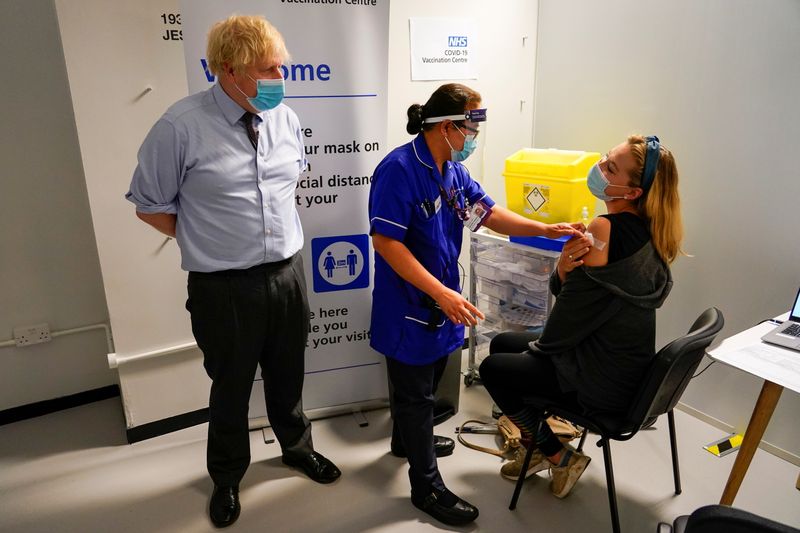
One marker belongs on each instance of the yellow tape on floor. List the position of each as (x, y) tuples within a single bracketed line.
[(725, 446)]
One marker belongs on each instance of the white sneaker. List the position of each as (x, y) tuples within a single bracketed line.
[(565, 477), (511, 470)]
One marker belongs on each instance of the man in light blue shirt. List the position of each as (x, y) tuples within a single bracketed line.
[(218, 173)]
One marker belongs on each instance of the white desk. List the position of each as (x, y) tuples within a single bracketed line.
[(779, 368)]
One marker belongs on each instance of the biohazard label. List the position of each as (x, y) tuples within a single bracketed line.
[(536, 196)]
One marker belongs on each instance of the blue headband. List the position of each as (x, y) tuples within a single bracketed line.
[(650, 162)]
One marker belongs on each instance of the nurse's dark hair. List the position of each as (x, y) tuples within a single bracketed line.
[(449, 99)]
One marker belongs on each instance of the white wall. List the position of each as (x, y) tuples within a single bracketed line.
[(718, 81), (123, 74), (114, 53), (49, 270)]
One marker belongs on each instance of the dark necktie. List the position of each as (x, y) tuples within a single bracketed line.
[(249, 126)]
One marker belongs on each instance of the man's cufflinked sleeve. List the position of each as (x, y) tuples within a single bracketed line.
[(156, 180)]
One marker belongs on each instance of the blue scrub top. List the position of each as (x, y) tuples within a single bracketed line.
[(409, 202)]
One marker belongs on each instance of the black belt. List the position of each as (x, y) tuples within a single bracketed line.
[(249, 271)]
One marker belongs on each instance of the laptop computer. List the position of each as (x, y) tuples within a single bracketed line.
[(788, 333)]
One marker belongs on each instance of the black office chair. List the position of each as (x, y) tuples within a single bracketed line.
[(724, 519), (665, 381)]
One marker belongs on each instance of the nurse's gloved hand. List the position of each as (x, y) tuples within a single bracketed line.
[(457, 308)]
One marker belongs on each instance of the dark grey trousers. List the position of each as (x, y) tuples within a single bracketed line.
[(240, 319)]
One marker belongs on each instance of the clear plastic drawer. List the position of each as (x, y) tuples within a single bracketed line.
[(488, 304), (488, 267), (498, 290), (532, 299), (530, 281), (523, 317)]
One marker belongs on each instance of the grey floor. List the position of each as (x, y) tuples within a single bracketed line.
[(73, 471)]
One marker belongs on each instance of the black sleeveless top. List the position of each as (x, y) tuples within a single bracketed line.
[(629, 233)]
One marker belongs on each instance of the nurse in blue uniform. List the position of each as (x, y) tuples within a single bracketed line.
[(420, 200)]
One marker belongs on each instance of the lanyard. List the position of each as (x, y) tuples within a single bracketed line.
[(461, 209), (451, 200)]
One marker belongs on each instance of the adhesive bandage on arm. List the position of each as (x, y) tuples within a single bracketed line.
[(596, 243)]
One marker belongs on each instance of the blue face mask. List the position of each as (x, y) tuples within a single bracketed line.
[(598, 183), (269, 93), (469, 146)]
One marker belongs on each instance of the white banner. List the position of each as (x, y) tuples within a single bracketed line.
[(336, 82), (443, 49)]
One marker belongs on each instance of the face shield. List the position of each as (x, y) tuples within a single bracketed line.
[(473, 116), (470, 115)]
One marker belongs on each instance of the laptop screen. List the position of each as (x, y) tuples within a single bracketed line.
[(794, 316)]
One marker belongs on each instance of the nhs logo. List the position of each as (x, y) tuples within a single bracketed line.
[(459, 41)]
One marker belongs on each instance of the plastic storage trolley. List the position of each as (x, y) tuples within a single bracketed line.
[(509, 283)]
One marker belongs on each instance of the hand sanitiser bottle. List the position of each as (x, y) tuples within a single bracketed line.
[(585, 222)]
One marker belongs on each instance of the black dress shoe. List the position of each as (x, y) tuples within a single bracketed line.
[(224, 507), (316, 466), (437, 505), (442, 446)]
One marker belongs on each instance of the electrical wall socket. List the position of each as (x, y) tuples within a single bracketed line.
[(27, 335)]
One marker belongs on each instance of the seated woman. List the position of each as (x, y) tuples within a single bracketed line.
[(600, 336)]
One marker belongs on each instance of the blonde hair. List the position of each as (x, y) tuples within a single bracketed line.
[(239, 41), (661, 205)]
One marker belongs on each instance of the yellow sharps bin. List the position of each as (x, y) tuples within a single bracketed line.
[(549, 185)]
